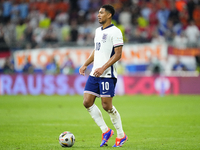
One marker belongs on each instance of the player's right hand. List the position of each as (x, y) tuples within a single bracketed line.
[(82, 70)]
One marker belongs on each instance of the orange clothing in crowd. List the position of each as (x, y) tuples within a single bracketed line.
[(158, 4), (180, 4), (63, 6), (196, 16), (42, 6), (184, 16), (51, 10)]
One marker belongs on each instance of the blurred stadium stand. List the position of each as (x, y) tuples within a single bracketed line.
[(35, 24)]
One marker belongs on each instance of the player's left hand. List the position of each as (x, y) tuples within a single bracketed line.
[(98, 72)]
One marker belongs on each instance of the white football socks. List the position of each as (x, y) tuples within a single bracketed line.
[(98, 118), (116, 120), (114, 116)]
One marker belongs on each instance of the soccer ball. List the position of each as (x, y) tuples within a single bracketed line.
[(66, 139)]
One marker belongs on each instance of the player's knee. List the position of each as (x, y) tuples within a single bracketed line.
[(87, 103), (88, 100), (105, 106)]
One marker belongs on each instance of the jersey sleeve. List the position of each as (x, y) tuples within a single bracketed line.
[(117, 38)]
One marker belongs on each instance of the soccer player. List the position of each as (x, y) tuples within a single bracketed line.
[(103, 77)]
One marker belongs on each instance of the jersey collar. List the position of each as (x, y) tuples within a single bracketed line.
[(107, 27)]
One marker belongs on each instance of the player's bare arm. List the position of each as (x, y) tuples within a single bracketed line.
[(87, 62), (118, 53)]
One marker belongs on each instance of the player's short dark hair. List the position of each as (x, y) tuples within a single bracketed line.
[(109, 8)]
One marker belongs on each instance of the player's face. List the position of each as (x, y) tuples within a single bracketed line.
[(103, 16)]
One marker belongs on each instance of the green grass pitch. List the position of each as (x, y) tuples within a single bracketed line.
[(150, 122)]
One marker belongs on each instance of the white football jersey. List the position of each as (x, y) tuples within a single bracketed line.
[(105, 41)]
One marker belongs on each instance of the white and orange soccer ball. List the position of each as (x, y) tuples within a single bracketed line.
[(66, 139)]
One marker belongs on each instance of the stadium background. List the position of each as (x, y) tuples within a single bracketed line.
[(43, 44)]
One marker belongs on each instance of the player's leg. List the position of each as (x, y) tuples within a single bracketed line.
[(116, 121), (107, 134), (107, 92), (97, 116), (88, 100), (90, 93), (94, 111), (114, 115)]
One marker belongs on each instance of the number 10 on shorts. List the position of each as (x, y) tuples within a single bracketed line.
[(105, 86)]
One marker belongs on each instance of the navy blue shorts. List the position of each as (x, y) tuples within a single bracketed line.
[(100, 87)]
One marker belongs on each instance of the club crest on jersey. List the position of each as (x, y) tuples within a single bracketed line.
[(104, 38)]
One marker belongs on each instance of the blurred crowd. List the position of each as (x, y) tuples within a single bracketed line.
[(52, 67), (26, 24), (30, 24)]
